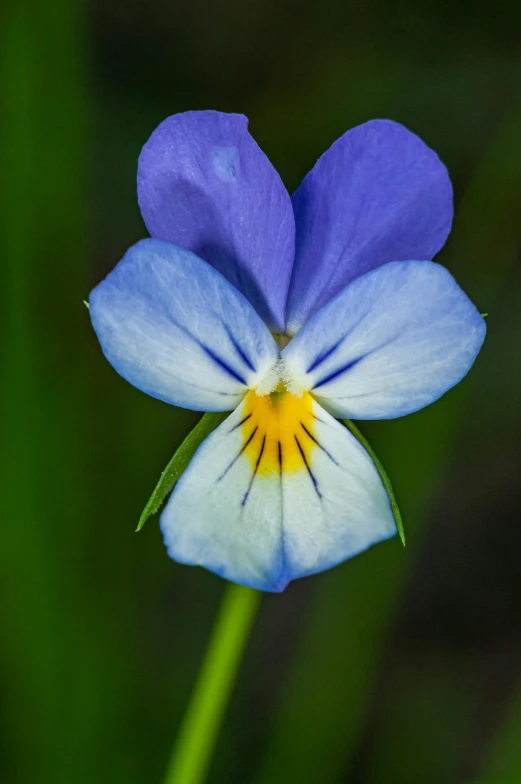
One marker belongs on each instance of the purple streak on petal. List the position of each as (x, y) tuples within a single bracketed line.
[(176, 329), (204, 184), (379, 194)]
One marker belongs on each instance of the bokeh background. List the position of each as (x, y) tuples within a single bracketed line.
[(401, 666)]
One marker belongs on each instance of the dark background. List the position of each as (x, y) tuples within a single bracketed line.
[(401, 666)]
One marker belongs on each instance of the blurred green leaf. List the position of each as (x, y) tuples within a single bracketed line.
[(383, 476), (179, 462)]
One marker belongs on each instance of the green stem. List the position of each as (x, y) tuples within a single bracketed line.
[(203, 718)]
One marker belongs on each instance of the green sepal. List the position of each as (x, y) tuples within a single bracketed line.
[(383, 476), (179, 462)]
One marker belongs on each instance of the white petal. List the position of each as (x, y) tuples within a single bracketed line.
[(339, 508), (278, 491)]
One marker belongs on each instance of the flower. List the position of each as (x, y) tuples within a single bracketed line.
[(289, 313)]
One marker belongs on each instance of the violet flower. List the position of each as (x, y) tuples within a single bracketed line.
[(289, 313)]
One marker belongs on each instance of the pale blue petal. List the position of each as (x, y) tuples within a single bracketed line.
[(176, 329), (392, 342)]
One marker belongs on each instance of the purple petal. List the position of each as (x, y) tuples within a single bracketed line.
[(379, 194), (204, 184)]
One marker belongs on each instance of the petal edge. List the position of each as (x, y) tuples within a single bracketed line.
[(205, 185), (390, 343), (379, 194), (172, 326)]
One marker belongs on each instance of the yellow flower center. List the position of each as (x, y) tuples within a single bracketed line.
[(278, 431)]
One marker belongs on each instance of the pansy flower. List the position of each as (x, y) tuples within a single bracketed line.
[(291, 313)]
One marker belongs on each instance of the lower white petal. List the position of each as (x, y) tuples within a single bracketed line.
[(336, 508), (278, 491)]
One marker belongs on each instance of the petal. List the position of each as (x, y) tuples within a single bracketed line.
[(278, 491), (204, 184), (391, 343), (379, 194), (176, 329)]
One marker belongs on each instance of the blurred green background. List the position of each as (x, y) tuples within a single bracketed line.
[(401, 666)]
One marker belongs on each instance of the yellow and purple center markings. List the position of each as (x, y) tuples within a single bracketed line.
[(278, 431)]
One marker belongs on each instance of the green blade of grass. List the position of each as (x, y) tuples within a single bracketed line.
[(46, 666)]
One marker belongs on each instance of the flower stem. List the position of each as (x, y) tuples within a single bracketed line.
[(198, 734)]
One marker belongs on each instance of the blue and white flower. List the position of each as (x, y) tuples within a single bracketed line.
[(290, 313)]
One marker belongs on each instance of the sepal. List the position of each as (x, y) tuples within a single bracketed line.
[(383, 476), (179, 462)]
